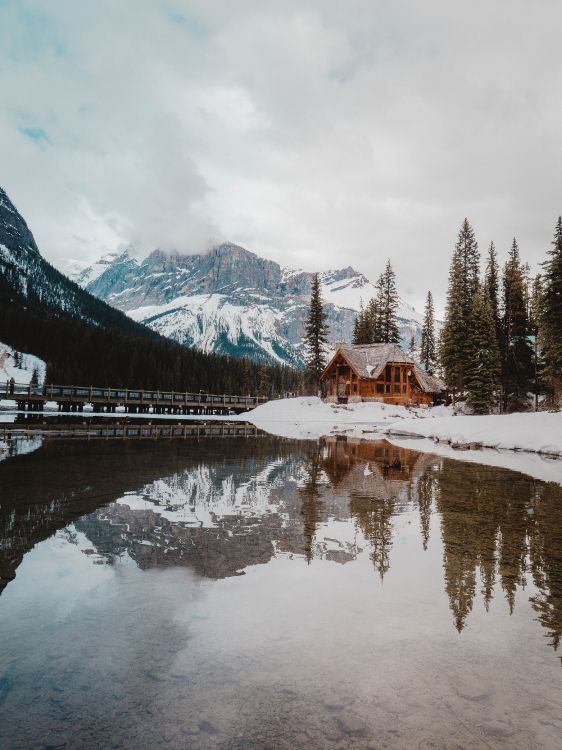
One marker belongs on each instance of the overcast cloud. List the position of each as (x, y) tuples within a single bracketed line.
[(319, 134)]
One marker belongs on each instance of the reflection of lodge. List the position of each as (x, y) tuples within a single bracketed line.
[(378, 477), (384, 460)]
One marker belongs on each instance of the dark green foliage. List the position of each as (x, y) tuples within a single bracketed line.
[(492, 288), (377, 322), (551, 323), (316, 335), (517, 360), (484, 369), (463, 283), (365, 328), (428, 349), (536, 318), (264, 385), (387, 304)]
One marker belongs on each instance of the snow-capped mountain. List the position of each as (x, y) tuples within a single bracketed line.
[(231, 301)]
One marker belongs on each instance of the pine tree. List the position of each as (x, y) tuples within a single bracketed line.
[(34, 377), (247, 379), (264, 384), (387, 304), (428, 351), (536, 316), (492, 287), (412, 345), (484, 370), (316, 335), (372, 313), (517, 364), (552, 315), (463, 283)]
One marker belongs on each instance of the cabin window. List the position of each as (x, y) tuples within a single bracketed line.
[(397, 373), (380, 387), (387, 388), (355, 388), (388, 373), (397, 388)]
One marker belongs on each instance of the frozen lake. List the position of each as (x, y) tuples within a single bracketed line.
[(258, 592)]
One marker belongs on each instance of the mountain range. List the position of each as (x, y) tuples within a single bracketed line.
[(84, 340), (231, 301)]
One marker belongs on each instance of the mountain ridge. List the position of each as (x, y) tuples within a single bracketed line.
[(230, 300)]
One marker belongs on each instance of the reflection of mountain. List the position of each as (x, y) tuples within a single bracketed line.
[(219, 506), (64, 481)]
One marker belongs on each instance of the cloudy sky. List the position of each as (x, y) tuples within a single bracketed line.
[(318, 134)]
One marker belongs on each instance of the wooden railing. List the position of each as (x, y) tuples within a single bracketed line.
[(122, 396)]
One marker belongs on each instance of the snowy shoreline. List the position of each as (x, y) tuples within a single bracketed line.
[(527, 442), (530, 443)]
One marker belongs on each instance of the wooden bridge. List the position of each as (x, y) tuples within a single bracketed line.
[(70, 398)]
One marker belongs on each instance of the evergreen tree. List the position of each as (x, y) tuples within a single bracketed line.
[(484, 370), (517, 364), (428, 350), (492, 287), (552, 315), (264, 384), (463, 283), (536, 316), (247, 379), (387, 304), (357, 327), (373, 323), (316, 335), (34, 377), (412, 345)]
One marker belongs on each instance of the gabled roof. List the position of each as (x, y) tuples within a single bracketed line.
[(369, 360), (429, 383)]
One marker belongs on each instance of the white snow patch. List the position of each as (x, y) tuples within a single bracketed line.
[(24, 371)]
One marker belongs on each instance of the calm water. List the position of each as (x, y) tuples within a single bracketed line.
[(263, 593)]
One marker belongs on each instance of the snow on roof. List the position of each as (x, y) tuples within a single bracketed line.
[(369, 360)]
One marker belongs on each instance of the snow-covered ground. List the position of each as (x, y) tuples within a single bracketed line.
[(311, 418), (22, 371), (526, 442)]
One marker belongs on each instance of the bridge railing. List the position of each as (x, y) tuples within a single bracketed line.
[(92, 394)]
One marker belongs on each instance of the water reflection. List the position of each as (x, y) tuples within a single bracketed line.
[(266, 593), (218, 507)]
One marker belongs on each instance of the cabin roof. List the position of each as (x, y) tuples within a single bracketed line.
[(369, 360)]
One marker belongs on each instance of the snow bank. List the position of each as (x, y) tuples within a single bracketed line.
[(23, 372), (539, 432), (311, 418)]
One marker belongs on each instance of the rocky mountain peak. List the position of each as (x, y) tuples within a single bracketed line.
[(230, 300), (13, 229)]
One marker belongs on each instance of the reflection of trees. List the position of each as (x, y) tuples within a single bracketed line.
[(311, 504), (374, 515), (497, 526), (426, 488), (493, 522), (545, 547)]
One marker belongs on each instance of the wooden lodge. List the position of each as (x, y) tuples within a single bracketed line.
[(378, 372)]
